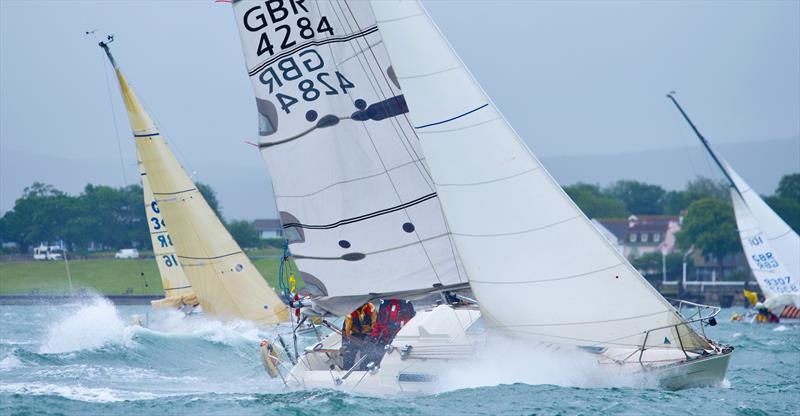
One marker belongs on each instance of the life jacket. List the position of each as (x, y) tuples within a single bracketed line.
[(393, 314), (360, 321)]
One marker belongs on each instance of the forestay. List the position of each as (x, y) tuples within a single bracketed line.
[(224, 280), (538, 267), (771, 246), (177, 289), (356, 200)]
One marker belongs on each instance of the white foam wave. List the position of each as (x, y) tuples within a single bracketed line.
[(780, 328), (509, 362), (94, 324), (76, 392), (100, 373), (230, 333), (9, 362)]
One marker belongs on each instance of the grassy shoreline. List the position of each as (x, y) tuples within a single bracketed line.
[(105, 276)]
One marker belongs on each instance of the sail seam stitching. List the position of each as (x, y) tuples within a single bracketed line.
[(174, 193), (586, 322), (780, 236), (430, 73), (208, 258), (176, 288), (490, 180), (396, 19), (460, 128), (452, 118), (549, 280), (363, 217), (517, 232)]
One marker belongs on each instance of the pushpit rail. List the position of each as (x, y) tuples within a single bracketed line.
[(701, 316)]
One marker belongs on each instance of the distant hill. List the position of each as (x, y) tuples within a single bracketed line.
[(244, 189), (761, 164)]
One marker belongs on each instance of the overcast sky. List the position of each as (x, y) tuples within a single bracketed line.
[(574, 78)]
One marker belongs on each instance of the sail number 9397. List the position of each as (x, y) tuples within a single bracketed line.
[(781, 284)]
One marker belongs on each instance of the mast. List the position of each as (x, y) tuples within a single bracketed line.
[(705, 143), (104, 45)]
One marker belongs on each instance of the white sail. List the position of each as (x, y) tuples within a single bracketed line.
[(771, 246), (177, 289), (224, 280), (538, 267), (356, 200)]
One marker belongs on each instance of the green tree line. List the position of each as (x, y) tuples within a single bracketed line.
[(105, 216), (709, 223), (115, 217)]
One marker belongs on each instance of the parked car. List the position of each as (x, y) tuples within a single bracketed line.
[(44, 252), (127, 253)]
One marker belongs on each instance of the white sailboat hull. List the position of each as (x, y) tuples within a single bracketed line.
[(702, 372), (437, 341)]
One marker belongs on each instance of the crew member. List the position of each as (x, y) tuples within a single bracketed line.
[(393, 314), (355, 333), (765, 315)]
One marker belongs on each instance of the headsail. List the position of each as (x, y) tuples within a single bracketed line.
[(771, 246), (355, 196), (517, 232), (177, 289), (223, 278)]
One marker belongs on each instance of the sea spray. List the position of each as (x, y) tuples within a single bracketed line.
[(507, 361), (91, 324)]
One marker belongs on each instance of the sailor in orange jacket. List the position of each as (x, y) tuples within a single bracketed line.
[(356, 331)]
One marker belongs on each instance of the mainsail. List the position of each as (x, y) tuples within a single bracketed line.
[(177, 289), (356, 200), (772, 248), (224, 280), (518, 234)]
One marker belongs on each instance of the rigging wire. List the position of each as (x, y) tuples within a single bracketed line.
[(113, 112), (368, 71)]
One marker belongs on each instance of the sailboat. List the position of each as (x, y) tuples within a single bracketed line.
[(224, 281), (393, 170), (772, 248), (178, 291)]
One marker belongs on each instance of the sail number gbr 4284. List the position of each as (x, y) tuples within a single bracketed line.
[(284, 25)]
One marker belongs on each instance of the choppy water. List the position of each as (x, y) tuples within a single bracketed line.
[(87, 359)]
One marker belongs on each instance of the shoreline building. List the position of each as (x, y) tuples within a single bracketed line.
[(641, 234)]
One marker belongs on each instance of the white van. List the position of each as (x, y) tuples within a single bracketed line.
[(127, 253), (44, 252)]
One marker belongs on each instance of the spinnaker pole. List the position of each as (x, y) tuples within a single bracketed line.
[(704, 142)]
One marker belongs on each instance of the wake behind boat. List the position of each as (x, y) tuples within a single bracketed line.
[(414, 184)]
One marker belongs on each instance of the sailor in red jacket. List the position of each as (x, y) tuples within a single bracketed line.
[(392, 315)]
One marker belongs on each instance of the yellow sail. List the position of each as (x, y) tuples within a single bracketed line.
[(177, 289), (224, 280)]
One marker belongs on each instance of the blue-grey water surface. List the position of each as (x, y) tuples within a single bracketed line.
[(88, 359)]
